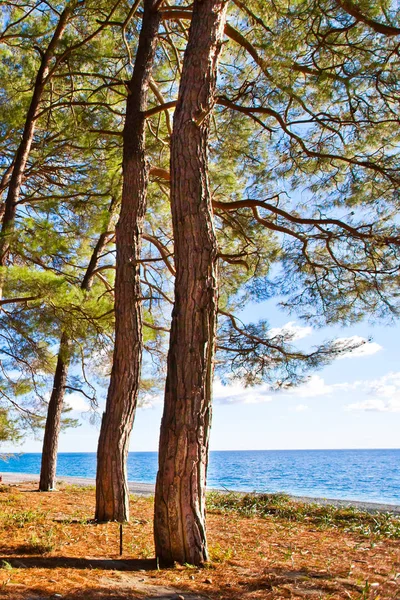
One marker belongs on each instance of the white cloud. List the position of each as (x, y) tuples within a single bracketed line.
[(375, 405), (147, 401), (314, 386), (383, 394), (301, 408), (365, 348), (379, 395), (291, 330), (77, 402), (234, 393)]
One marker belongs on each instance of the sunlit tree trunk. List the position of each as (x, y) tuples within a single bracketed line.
[(179, 524), (53, 419), (111, 480)]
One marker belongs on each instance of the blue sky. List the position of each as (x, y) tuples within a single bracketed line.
[(352, 403)]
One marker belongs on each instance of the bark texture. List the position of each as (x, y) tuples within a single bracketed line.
[(15, 178), (53, 420), (47, 481), (111, 480), (179, 521)]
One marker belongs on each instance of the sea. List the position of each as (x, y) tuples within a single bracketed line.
[(364, 475)]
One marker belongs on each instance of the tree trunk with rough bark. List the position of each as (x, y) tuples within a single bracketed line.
[(48, 468), (53, 420), (179, 520), (112, 501)]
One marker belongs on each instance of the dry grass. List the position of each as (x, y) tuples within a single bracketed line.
[(50, 548)]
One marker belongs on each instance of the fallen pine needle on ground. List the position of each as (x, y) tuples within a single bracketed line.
[(261, 547)]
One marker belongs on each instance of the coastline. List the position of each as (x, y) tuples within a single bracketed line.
[(147, 489)]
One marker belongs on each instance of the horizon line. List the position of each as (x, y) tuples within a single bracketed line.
[(5, 452)]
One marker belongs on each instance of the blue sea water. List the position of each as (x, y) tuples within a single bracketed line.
[(368, 475)]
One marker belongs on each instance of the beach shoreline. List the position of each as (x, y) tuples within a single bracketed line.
[(147, 489)]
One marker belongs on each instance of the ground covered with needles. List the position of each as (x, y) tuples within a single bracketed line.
[(261, 547)]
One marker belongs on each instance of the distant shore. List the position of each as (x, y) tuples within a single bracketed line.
[(147, 489)]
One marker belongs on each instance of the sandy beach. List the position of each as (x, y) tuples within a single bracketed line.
[(142, 489), (147, 489)]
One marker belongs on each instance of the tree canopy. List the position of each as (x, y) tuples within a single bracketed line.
[(299, 185)]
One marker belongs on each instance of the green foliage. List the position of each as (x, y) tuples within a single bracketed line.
[(320, 85), (20, 518), (9, 427), (42, 544), (304, 137), (281, 506)]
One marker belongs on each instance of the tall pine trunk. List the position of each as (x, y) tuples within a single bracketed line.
[(179, 521), (21, 157), (47, 481), (112, 501)]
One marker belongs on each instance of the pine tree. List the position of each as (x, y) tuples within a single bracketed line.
[(112, 501), (179, 513)]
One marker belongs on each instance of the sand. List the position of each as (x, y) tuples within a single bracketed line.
[(147, 489)]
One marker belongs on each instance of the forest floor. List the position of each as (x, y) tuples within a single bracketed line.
[(260, 548)]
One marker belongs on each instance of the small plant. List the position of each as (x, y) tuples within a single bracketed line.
[(282, 506), (41, 544), (6, 565), (73, 487), (147, 551), (365, 594), (78, 518), (220, 554), (21, 517), (10, 498)]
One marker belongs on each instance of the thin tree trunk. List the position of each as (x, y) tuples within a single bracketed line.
[(111, 480), (47, 480), (179, 520), (53, 420), (22, 154)]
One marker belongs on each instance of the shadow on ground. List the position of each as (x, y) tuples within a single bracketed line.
[(66, 562), (93, 594), (129, 581)]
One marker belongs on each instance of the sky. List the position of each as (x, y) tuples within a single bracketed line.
[(352, 403)]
